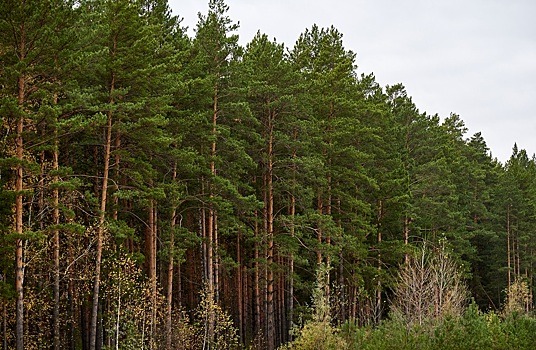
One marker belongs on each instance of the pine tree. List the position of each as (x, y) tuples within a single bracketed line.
[(32, 35), (129, 47), (215, 53), (337, 135), (483, 182), (269, 77)]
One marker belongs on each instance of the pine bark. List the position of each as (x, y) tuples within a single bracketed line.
[(19, 186), (290, 302), (56, 245), (170, 270), (269, 227), (378, 306), (4, 326), (102, 219), (320, 209), (211, 232), (257, 273), (406, 236), (508, 249), (240, 297)]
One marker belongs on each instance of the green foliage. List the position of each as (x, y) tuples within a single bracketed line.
[(518, 298), (473, 330), (317, 336), (214, 326), (318, 333), (297, 158)]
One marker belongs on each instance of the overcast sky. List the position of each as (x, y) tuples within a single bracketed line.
[(476, 58)]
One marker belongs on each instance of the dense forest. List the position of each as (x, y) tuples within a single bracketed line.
[(163, 191)]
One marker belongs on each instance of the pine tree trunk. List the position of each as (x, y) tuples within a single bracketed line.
[(269, 208), (100, 228), (216, 260), (210, 274), (169, 291), (4, 326), (377, 313), (320, 208), (117, 161), (203, 232), (56, 244), (19, 252), (508, 250), (257, 290), (282, 312), (517, 267), (240, 297), (406, 236), (41, 185), (329, 162), (150, 246), (212, 248), (292, 213)]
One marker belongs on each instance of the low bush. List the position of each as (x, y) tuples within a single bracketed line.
[(472, 330)]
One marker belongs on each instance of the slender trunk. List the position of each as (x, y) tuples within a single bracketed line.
[(377, 313), (19, 252), (150, 247), (270, 292), (269, 207), (155, 279), (320, 208), (71, 297), (353, 302), (56, 244), (4, 326), (407, 221), (100, 228), (240, 297), (517, 268), (149, 242), (169, 291), (343, 289), (281, 309), (328, 236), (41, 186), (212, 248), (210, 274), (292, 212), (247, 304), (118, 318), (117, 145), (258, 318), (216, 260), (508, 250), (203, 230), (72, 315), (329, 163)]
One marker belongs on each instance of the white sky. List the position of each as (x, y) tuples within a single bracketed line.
[(476, 58)]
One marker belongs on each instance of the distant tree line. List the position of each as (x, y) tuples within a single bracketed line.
[(164, 191)]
